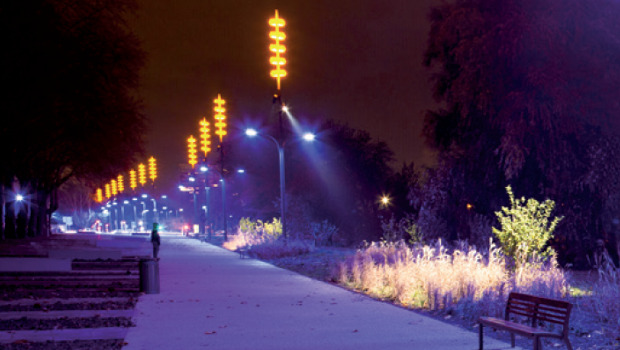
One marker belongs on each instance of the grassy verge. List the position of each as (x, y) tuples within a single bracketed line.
[(457, 285)]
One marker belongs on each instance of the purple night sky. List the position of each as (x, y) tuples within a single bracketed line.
[(357, 61)]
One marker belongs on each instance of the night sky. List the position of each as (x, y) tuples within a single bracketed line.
[(356, 61)]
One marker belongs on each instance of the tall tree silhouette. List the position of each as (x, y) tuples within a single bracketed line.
[(71, 68), (529, 91)]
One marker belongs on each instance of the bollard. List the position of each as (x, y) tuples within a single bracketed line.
[(149, 276)]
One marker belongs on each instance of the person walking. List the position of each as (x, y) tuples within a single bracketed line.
[(155, 240)]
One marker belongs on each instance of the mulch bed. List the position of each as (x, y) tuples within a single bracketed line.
[(111, 344), (59, 306), (64, 323)]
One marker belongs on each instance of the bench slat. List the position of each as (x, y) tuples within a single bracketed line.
[(517, 327)]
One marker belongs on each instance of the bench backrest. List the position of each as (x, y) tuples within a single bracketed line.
[(539, 309)]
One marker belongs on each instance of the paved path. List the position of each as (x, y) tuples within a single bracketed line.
[(210, 298)]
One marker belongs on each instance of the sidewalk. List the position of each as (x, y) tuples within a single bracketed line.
[(210, 298)]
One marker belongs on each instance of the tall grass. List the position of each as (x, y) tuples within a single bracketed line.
[(435, 277), (264, 240)]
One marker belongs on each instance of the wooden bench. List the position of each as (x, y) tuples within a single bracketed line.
[(537, 310), (244, 252)]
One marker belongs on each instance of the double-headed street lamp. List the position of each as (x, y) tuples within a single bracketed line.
[(204, 169), (308, 137)]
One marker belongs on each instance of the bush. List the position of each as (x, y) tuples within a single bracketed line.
[(262, 240), (525, 228), (323, 232), (405, 228)]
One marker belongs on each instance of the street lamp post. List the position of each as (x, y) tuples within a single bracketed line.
[(280, 146), (252, 133), (135, 214), (223, 181)]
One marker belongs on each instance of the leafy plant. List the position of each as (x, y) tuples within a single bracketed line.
[(322, 232), (405, 228), (526, 228)]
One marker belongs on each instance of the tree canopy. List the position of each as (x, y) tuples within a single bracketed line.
[(529, 98), (71, 69)]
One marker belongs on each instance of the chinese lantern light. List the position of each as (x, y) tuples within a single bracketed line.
[(277, 48), (120, 184), (113, 187), (152, 169), (141, 174), (191, 151), (220, 117), (205, 137), (133, 181)]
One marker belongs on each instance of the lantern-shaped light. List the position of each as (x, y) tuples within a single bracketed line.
[(191, 151), (113, 187), (120, 183), (220, 117), (108, 191), (141, 174), (133, 180), (277, 48), (152, 169), (205, 137)]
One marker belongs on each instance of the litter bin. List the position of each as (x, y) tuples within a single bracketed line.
[(149, 276)]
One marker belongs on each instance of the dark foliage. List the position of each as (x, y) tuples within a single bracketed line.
[(71, 69), (529, 90)]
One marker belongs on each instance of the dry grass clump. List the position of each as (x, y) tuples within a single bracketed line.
[(264, 242), (599, 298), (435, 277)]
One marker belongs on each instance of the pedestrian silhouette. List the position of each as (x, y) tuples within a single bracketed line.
[(155, 240)]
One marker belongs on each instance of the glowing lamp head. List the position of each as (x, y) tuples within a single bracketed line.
[(309, 137), (204, 169), (19, 197), (251, 132)]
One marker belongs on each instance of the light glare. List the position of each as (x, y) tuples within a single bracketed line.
[(309, 137)]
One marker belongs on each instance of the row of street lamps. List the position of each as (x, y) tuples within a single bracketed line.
[(113, 204)]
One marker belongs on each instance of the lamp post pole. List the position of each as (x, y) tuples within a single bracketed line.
[(282, 192)]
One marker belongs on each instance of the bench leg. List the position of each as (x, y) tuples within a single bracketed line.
[(480, 335), (512, 340), (568, 344), (537, 345)]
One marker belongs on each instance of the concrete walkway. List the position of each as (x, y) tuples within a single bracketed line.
[(210, 298)]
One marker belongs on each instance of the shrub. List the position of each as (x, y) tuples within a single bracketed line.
[(262, 239), (525, 228), (322, 232), (405, 228)]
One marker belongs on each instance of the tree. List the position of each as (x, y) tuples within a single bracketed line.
[(71, 110), (348, 171), (529, 93)]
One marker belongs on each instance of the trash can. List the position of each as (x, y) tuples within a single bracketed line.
[(149, 276)]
